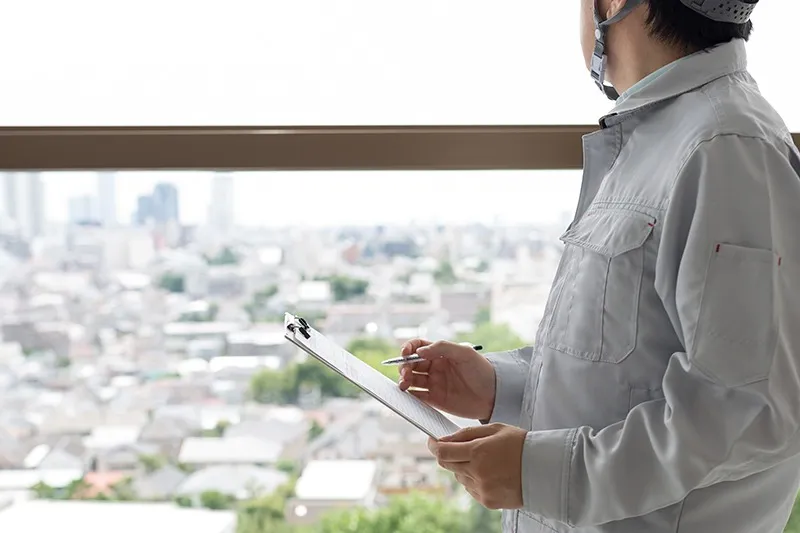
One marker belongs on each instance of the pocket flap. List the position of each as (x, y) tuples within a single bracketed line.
[(610, 232)]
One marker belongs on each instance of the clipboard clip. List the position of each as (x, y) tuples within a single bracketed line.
[(301, 325)]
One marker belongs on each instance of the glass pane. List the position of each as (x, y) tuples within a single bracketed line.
[(776, 77), (143, 336), (299, 62), (315, 62)]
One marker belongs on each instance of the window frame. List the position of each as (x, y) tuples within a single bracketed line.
[(295, 148)]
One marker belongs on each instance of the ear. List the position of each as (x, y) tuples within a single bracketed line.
[(614, 7)]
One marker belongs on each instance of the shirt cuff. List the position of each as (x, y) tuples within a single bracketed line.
[(510, 379), (546, 459)]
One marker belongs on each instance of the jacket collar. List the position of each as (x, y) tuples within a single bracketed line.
[(688, 74)]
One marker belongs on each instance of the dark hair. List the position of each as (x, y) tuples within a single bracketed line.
[(674, 23)]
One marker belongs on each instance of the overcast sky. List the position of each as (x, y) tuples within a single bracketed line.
[(324, 62)]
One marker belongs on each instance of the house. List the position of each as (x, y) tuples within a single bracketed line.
[(400, 477), (345, 321), (101, 483), (177, 335), (292, 436), (325, 486), (46, 457), (243, 482), (168, 433), (159, 485), (461, 304), (211, 451), (41, 516), (11, 450), (20, 482), (122, 458), (262, 340), (110, 436), (520, 305)]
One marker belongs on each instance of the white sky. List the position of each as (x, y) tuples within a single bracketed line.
[(322, 62)]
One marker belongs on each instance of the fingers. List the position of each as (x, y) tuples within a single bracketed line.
[(450, 350), (411, 379), (472, 433), (411, 347), (453, 452), (420, 394), (419, 368)]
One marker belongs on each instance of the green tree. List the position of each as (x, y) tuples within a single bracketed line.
[(215, 500), (151, 463), (218, 430), (445, 275), (226, 256), (183, 501), (76, 489), (287, 466), (314, 374), (123, 491), (315, 430), (270, 386), (172, 282), (413, 514), (493, 337), (346, 288), (43, 491), (483, 520), (374, 350), (255, 307)]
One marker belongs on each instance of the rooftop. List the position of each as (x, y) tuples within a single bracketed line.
[(228, 450), (200, 328), (39, 516), (336, 480), (261, 336)]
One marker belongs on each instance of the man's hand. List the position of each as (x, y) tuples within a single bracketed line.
[(487, 460), (452, 377)]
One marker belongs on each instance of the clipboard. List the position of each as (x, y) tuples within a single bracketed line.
[(424, 417)]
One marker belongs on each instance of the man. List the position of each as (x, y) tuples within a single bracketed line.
[(663, 391)]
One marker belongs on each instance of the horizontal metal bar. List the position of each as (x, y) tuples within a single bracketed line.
[(304, 148), (294, 148)]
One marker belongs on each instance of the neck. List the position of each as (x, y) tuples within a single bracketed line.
[(632, 61)]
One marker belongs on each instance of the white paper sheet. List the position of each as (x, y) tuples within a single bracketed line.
[(383, 389)]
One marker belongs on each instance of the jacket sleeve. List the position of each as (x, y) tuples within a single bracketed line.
[(728, 274), (511, 375)]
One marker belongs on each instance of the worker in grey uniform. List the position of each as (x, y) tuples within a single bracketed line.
[(662, 393)]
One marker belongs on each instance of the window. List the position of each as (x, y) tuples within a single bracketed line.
[(312, 62), (141, 315), (773, 22), (304, 62)]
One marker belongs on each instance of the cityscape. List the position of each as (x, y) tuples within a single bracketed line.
[(145, 382)]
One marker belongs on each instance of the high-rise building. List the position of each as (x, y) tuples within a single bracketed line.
[(107, 194), (84, 210), (144, 210), (221, 215), (159, 208), (24, 202), (165, 204)]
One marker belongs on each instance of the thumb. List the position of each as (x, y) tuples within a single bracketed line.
[(447, 350), (471, 433)]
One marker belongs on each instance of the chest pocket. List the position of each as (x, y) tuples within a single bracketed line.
[(596, 315)]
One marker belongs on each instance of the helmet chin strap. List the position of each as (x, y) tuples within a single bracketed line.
[(600, 57)]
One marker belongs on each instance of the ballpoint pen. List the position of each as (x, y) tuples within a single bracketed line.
[(416, 358)]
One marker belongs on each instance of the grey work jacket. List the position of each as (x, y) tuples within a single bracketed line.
[(662, 393)]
